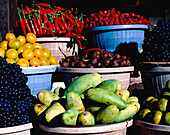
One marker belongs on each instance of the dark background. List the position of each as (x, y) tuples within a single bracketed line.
[(144, 7)]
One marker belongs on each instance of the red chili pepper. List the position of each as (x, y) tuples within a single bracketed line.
[(39, 23), (51, 32), (36, 26), (43, 4), (92, 49), (27, 8), (22, 22), (60, 24), (70, 19), (27, 24), (53, 27), (57, 26), (32, 25), (45, 23)]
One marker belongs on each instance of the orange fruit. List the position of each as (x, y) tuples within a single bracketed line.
[(21, 49), (37, 46), (2, 52), (10, 36), (28, 54), (44, 61), (4, 44), (31, 38), (29, 45), (53, 60), (10, 60), (38, 53), (14, 44), (23, 62), (22, 39), (11, 53), (47, 52), (35, 62)]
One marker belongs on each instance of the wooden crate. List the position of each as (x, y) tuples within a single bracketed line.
[(54, 43)]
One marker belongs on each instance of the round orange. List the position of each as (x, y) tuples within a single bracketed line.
[(11, 53), (44, 61), (10, 60), (53, 60), (4, 44), (37, 46), (35, 62), (22, 39), (2, 52), (10, 36), (14, 44), (29, 45), (38, 53), (47, 52), (21, 49), (28, 54), (31, 38), (23, 62)]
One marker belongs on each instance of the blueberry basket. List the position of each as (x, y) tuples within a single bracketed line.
[(109, 37), (39, 78)]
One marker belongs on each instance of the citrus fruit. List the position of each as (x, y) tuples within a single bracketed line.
[(2, 52), (35, 62), (10, 36), (44, 61), (22, 39), (4, 44), (21, 49), (53, 60), (11, 53), (37, 46), (23, 62), (38, 53), (47, 52), (29, 45), (31, 38), (10, 60), (14, 44), (28, 54)]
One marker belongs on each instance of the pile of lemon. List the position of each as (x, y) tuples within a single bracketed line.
[(24, 51)]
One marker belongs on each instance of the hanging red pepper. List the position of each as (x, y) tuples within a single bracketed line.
[(32, 25), (26, 23), (45, 24), (39, 23), (21, 22), (35, 24), (92, 49)]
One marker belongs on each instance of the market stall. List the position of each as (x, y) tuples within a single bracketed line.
[(103, 59)]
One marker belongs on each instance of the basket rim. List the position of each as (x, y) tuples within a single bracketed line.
[(101, 128), (96, 70), (119, 27), (152, 126)]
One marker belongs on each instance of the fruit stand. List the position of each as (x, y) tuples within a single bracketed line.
[(97, 56)]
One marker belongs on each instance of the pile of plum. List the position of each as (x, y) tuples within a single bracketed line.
[(96, 59)]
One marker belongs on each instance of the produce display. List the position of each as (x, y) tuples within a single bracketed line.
[(25, 52), (15, 96), (96, 58), (87, 101), (157, 110), (44, 21), (156, 45), (113, 17)]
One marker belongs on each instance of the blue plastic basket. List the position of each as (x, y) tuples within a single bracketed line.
[(39, 78), (109, 37)]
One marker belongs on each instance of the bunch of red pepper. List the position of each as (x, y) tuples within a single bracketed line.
[(44, 20), (112, 17)]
